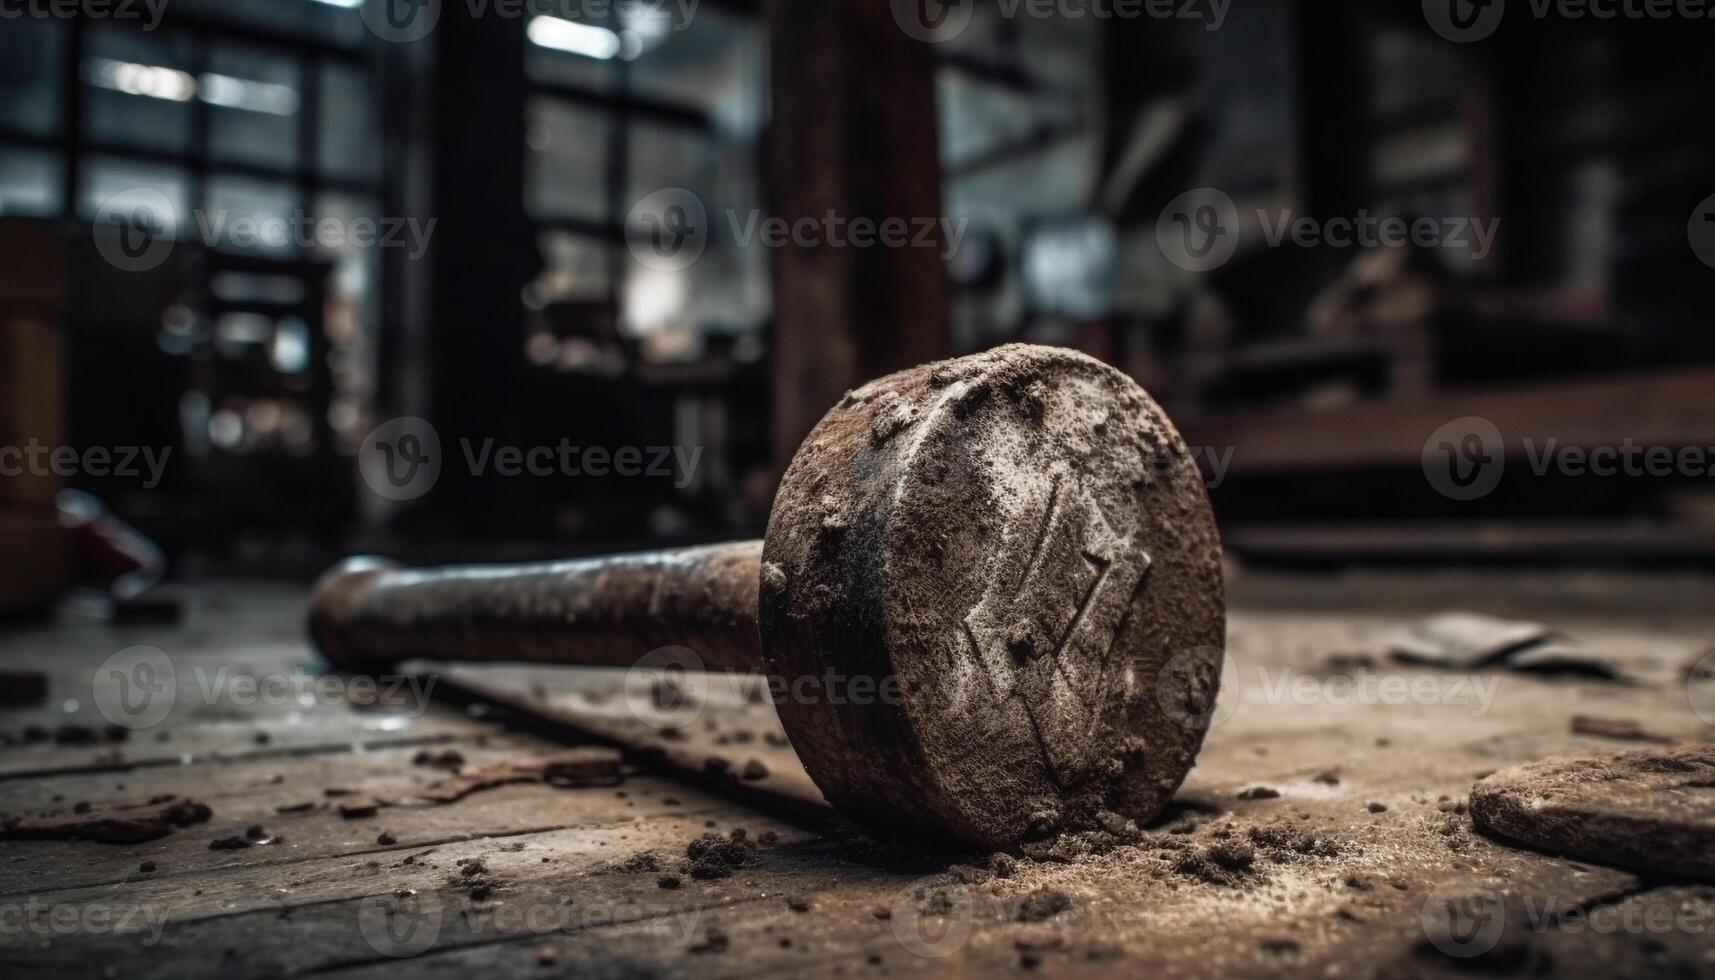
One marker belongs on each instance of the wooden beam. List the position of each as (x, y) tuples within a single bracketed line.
[(484, 254), (1584, 543), (1668, 408), (854, 134)]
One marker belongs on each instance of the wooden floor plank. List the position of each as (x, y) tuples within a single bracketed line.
[(1304, 746)]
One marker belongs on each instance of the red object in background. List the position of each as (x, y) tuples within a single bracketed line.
[(107, 554)]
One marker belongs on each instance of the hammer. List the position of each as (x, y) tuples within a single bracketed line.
[(1010, 555)]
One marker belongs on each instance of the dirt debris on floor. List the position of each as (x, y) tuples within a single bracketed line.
[(1619, 729), (577, 768), (112, 823), (1304, 880)]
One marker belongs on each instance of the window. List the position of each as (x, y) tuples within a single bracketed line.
[(622, 109), (103, 179), (32, 56), (30, 183), (567, 160), (254, 104), (236, 112), (139, 89)]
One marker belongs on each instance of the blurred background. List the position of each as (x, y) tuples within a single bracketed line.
[(283, 254)]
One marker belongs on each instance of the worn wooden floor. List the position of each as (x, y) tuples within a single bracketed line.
[(1322, 834)]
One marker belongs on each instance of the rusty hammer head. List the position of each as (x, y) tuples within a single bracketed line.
[(1020, 543)]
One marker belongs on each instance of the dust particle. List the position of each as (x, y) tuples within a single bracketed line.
[(714, 941), (713, 856), (1043, 904), (643, 862)]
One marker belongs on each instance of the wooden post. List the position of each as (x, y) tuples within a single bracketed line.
[(484, 253), (853, 135), (33, 555)]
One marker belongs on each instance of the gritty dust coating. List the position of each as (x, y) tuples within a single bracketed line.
[(1021, 539)]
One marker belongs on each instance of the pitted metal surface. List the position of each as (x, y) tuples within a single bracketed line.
[(1021, 543)]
